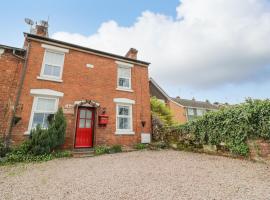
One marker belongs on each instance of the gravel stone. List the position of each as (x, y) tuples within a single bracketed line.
[(138, 175)]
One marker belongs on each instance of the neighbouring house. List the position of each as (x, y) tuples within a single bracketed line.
[(183, 110), (105, 97)]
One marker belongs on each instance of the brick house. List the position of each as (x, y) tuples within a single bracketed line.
[(105, 97), (183, 110)]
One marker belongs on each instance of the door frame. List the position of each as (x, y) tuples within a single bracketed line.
[(93, 129)]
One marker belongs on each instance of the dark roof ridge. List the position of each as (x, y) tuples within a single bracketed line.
[(85, 48)]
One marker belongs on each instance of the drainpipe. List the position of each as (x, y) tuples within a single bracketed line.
[(9, 130)]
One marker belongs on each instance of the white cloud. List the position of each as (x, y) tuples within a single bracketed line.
[(210, 43)]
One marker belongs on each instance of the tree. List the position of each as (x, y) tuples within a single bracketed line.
[(160, 110)]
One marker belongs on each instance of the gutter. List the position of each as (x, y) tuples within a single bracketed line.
[(9, 130)]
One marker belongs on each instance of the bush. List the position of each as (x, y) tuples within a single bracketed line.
[(115, 149), (57, 129), (43, 141), (3, 148), (140, 146), (19, 156), (101, 150), (160, 110), (231, 125)]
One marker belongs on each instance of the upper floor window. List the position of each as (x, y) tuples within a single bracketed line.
[(124, 76), (53, 63)]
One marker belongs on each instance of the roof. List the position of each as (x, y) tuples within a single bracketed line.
[(194, 103), (159, 89), (37, 37), (10, 47), (184, 102)]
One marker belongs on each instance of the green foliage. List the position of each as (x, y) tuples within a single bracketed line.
[(140, 146), (160, 110), (43, 141), (231, 125), (18, 155), (99, 150), (3, 148), (115, 149), (57, 129)]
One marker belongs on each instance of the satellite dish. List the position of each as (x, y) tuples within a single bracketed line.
[(29, 21)]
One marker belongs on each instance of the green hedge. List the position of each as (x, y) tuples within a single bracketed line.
[(232, 125)]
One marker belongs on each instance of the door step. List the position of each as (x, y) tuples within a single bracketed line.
[(83, 152)]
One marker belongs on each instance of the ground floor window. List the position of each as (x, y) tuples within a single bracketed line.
[(42, 111), (124, 117)]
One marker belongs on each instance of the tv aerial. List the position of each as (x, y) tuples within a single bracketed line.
[(29, 21)]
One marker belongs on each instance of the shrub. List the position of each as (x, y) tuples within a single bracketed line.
[(43, 141), (57, 129), (3, 148), (101, 150), (160, 110), (231, 125), (115, 149), (140, 146), (18, 156)]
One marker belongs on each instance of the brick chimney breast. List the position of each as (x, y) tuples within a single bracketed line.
[(132, 53)]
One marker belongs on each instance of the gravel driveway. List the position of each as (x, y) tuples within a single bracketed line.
[(138, 175)]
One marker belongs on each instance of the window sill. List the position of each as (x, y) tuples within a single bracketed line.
[(124, 133), (49, 79), (124, 90), (26, 133)]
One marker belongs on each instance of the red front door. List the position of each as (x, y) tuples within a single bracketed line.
[(84, 130)]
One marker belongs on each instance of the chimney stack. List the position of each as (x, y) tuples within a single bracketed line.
[(41, 29), (132, 53)]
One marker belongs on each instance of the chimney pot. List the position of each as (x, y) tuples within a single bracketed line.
[(132, 53)]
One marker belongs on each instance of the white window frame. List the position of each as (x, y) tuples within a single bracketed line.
[(45, 94), (124, 66), (203, 111), (56, 50), (128, 103), (193, 111)]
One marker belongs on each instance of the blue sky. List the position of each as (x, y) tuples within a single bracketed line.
[(216, 50), (73, 15)]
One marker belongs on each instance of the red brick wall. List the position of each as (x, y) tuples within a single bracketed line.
[(80, 82), (179, 113), (10, 68)]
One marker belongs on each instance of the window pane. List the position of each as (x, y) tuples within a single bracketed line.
[(123, 110), (56, 71), (81, 124), (88, 114), (124, 72), (123, 123), (48, 69), (51, 70), (53, 58), (123, 82), (37, 119), (190, 111), (47, 105), (46, 121), (200, 112), (82, 113), (88, 123)]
